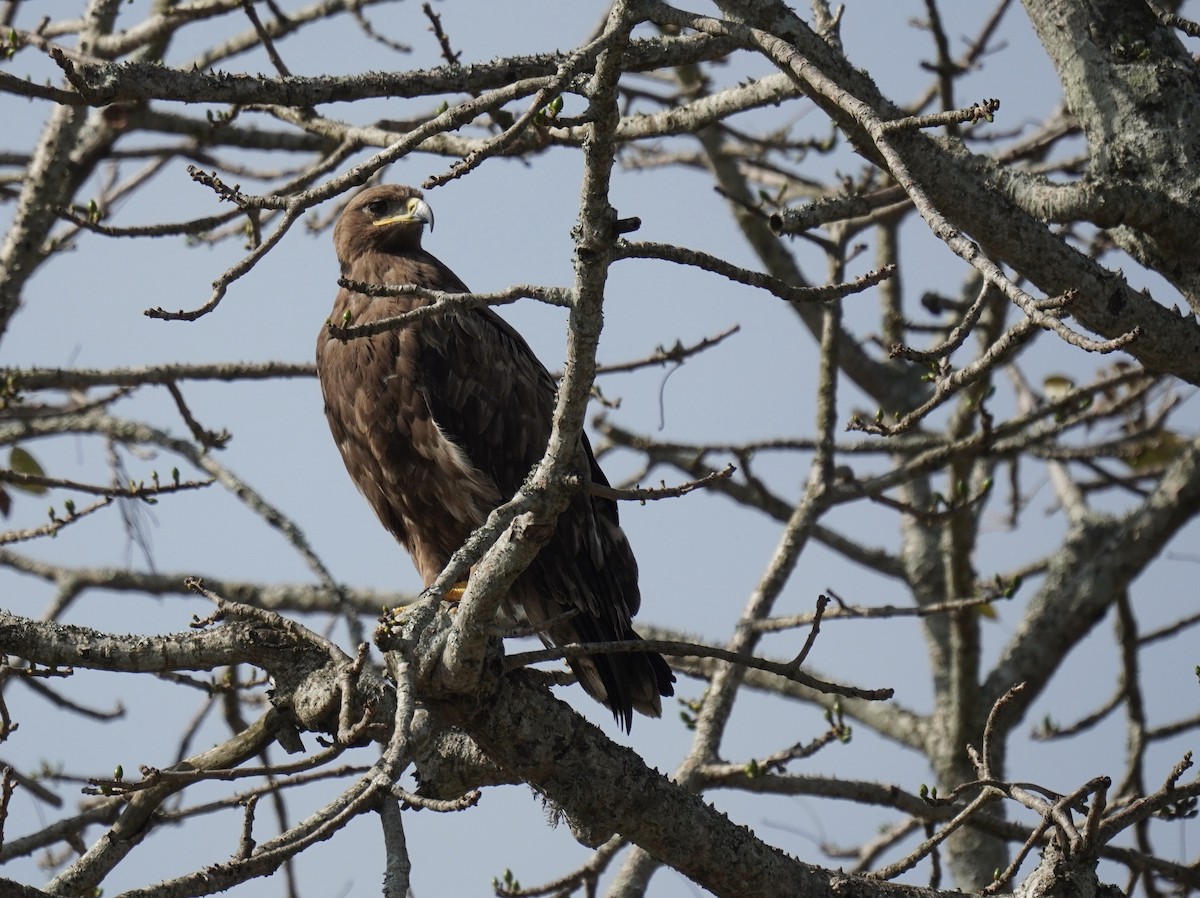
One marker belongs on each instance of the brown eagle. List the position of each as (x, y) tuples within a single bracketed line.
[(440, 422)]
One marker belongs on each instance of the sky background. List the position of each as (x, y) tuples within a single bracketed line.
[(700, 556)]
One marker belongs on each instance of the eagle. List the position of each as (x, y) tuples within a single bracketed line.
[(441, 421)]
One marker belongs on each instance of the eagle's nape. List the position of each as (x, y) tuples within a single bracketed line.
[(440, 422)]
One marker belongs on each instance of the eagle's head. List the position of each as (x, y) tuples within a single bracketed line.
[(385, 219)]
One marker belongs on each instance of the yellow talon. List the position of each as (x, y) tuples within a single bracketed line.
[(455, 592)]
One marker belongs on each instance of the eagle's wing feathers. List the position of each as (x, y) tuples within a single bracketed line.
[(490, 394)]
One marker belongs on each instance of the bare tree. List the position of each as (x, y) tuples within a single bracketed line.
[(936, 417)]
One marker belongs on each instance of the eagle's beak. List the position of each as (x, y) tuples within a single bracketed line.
[(416, 209)]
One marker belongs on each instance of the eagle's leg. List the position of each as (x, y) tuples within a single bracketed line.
[(455, 593)]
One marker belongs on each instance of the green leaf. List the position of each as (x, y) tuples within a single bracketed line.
[(21, 462), (1154, 450)]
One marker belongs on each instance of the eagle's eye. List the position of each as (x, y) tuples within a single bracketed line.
[(377, 207)]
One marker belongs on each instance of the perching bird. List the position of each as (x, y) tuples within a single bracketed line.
[(440, 422)]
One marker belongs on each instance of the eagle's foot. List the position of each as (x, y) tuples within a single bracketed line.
[(393, 619)]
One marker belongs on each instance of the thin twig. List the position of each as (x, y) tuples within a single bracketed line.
[(693, 650)]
